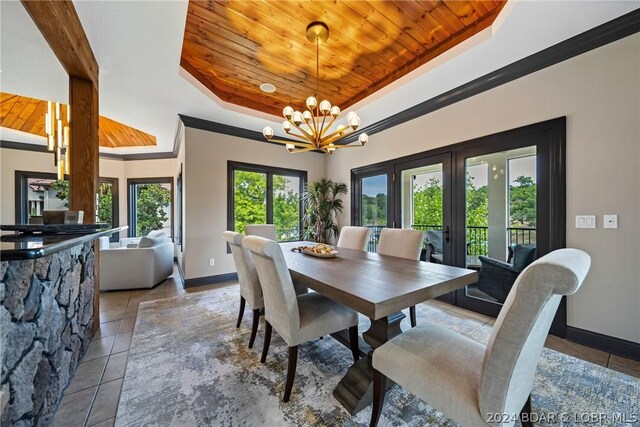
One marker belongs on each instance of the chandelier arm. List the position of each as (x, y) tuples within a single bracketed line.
[(297, 136), (302, 150), (334, 136), (325, 129), (307, 135), (313, 121), (296, 143)]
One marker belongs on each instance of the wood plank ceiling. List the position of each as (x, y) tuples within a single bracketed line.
[(27, 115), (232, 47)]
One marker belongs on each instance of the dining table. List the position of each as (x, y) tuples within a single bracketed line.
[(379, 287)]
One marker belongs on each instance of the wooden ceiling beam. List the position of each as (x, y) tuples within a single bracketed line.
[(60, 25)]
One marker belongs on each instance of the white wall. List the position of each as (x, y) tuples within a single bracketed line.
[(13, 160), (599, 92), (206, 159)]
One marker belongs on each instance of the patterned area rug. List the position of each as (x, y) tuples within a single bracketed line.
[(189, 366)]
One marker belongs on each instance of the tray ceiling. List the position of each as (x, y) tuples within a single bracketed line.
[(27, 115), (233, 47)]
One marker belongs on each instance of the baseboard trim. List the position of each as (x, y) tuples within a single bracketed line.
[(209, 280), (617, 346)]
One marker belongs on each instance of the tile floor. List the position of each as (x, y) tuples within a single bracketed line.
[(92, 397)]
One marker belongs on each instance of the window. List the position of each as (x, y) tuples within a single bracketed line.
[(265, 195), (150, 202), (37, 191)]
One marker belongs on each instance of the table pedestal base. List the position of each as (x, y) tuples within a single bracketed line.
[(355, 390)]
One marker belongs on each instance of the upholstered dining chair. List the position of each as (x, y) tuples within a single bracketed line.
[(402, 243), (297, 319), (268, 231), (250, 290), (354, 237), (469, 382)]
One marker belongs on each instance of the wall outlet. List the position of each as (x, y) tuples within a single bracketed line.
[(611, 221), (212, 262)]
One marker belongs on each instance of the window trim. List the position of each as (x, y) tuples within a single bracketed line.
[(131, 214), (21, 195), (270, 171)]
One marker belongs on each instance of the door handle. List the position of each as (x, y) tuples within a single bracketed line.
[(446, 234)]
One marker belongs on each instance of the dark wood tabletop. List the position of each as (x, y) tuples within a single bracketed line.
[(374, 285)]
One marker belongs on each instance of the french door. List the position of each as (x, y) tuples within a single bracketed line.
[(479, 202)]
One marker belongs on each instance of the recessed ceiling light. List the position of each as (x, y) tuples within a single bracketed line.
[(267, 88)]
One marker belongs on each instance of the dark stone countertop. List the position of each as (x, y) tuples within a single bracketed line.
[(14, 246)]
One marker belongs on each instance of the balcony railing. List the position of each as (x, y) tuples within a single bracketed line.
[(477, 236)]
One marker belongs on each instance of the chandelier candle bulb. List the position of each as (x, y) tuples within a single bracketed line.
[(268, 132), (325, 107), (297, 118), (311, 103)]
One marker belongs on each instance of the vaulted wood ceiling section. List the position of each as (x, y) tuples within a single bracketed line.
[(27, 115), (233, 47)]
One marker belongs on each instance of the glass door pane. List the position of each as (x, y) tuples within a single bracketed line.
[(500, 220), (374, 206), (286, 207), (250, 199), (422, 208)]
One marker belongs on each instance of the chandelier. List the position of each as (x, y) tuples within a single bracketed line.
[(315, 123), (57, 130)]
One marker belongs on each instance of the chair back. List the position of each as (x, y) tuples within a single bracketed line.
[(268, 231), (521, 329), (435, 238), (354, 237), (280, 301), (247, 275), (400, 242)]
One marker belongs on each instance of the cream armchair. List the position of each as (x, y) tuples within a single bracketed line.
[(141, 267)]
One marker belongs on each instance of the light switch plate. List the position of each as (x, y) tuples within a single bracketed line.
[(585, 221), (611, 221)]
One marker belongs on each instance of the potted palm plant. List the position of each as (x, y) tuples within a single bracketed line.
[(322, 203)]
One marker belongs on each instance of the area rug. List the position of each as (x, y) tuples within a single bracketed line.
[(189, 366)]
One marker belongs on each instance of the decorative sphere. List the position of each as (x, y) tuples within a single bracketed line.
[(311, 103), (287, 112), (296, 117), (325, 107), (268, 132)]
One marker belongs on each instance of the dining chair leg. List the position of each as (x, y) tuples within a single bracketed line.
[(353, 341), (412, 315), (241, 313), (254, 326), (267, 342), (379, 388), (525, 420), (291, 372)]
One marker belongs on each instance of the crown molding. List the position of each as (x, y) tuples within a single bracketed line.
[(594, 38), (13, 145)]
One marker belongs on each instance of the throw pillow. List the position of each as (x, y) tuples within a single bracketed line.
[(150, 242)]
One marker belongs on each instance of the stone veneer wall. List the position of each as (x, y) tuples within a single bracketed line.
[(46, 320)]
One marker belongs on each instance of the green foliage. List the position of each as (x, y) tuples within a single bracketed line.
[(427, 203), (250, 202), (374, 209), (321, 205), (151, 201), (105, 203), (522, 202), (250, 199), (286, 209), (477, 204), (62, 190)]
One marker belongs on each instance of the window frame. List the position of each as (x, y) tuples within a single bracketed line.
[(269, 171), (21, 195), (131, 207)]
